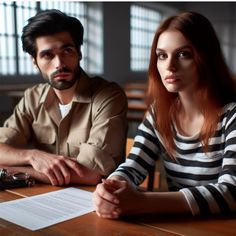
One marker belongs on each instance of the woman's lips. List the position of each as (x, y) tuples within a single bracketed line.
[(171, 79)]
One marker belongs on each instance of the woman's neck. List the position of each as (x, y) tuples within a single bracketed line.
[(189, 119)]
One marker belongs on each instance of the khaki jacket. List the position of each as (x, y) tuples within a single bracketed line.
[(94, 131)]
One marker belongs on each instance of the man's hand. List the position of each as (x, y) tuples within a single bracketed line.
[(57, 168)]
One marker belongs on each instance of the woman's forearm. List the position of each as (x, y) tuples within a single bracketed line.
[(165, 203)]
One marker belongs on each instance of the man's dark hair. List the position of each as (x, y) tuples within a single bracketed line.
[(50, 22)]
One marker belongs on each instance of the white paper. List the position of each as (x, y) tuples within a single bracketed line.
[(43, 210)]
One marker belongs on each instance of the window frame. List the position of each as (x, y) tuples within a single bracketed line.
[(137, 47), (86, 49)]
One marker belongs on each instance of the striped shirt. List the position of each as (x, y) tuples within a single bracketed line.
[(207, 179)]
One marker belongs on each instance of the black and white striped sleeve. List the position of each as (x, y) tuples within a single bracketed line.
[(143, 154), (219, 197)]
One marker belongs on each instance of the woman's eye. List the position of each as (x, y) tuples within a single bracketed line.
[(161, 56), (185, 54)]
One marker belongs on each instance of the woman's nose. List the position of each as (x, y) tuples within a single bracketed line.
[(172, 64)]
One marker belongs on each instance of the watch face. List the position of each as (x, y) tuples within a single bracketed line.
[(3, 173), (20, 176)]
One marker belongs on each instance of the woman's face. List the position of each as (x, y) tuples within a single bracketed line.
[(175, 62)]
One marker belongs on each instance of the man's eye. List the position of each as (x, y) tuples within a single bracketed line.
[(68, 50), (47, 55), (161, 56)]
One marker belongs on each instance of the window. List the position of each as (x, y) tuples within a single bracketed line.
[(95, 40), (23, 12), (12, 18), (143, 24), (14, 15)]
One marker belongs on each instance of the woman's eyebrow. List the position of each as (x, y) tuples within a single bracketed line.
[(177, 49)]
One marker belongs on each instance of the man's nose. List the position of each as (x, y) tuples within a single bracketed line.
[(59, 62)]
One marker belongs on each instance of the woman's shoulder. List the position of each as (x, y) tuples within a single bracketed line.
[(228, 114), (229, 108)]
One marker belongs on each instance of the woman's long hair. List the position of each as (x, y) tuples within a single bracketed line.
[(216, 85)]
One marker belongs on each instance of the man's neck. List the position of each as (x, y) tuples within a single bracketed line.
[(65, 96)]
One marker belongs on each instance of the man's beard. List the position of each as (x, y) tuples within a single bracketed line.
[(62, 84)]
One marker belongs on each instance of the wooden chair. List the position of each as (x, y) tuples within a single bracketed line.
[(129, 145), (135, 92), (153, 175)]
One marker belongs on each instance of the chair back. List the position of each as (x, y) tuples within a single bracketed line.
[(149, 183), (129, 145)]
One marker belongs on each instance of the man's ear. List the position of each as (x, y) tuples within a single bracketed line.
[(34, 62), (80, 55)]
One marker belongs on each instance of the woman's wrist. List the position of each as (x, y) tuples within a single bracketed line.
[(117, 177)]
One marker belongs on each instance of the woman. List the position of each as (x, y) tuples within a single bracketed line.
[(191, 125)]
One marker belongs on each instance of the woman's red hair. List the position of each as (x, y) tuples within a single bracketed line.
[(216, 85)]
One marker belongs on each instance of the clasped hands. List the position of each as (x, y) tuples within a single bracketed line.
[(113, 198)]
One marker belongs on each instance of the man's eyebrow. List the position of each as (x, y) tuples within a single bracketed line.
[(67, 45), (43, 52)]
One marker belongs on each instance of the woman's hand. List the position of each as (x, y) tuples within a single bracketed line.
[(115, 197), (105, 201)]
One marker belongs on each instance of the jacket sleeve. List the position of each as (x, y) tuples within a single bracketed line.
[(16, 129), (143, 154), (104, 149)]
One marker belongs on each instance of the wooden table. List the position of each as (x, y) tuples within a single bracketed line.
[(90, 224), (193, 226), (86, 225)]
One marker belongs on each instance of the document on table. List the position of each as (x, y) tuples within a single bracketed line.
[(43, 210)]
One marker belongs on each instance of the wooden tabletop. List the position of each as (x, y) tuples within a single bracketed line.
[(193, 226), (86, 225), (90, 224)]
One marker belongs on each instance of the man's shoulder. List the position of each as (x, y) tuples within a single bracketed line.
[(99, 84), (37, 90)]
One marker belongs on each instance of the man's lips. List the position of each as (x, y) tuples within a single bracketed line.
[(61, 75)]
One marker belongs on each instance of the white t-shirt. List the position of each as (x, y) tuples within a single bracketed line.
[(64, 109)]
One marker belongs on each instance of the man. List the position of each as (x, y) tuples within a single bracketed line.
[(76, 124)]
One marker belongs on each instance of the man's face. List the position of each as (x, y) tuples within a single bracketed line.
[(58, 60)]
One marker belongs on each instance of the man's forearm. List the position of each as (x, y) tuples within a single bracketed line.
[(90, 177), (25, 160), (29, 170), (10, 156)]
